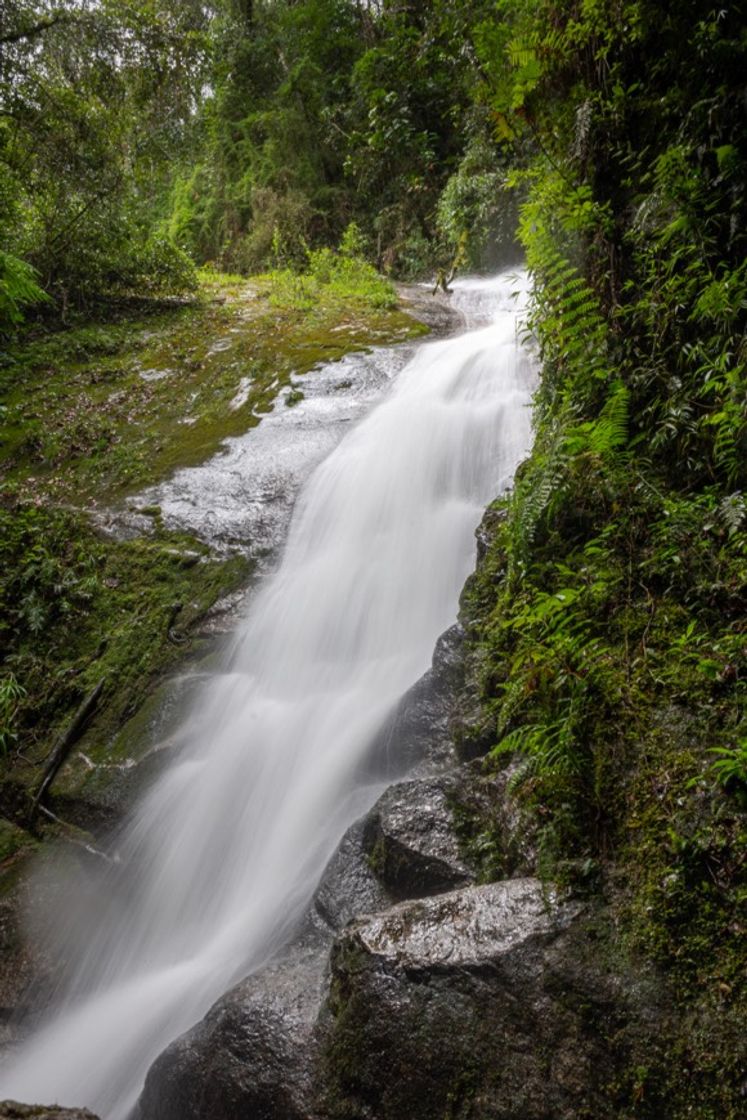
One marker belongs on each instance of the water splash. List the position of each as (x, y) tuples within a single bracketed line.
[(220, 860)]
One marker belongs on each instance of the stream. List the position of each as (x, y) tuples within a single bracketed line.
[(215, 868)]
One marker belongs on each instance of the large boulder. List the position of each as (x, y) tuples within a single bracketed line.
[(249, 1056), (487, 1002), (411, 841)]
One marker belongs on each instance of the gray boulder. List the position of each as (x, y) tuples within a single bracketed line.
[(249, 1056), (411, 842), (487, 1002)]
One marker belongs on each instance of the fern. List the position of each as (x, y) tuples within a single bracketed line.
[(534, 493), (733, 509), (607, 434), (547, 749), (18, 289)]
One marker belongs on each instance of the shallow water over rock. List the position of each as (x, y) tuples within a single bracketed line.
[(243, 497)]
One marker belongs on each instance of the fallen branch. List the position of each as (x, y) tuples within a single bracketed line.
[(64, 744), (74, 838)]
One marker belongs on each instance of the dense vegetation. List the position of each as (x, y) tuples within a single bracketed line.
[(138, 140), (608, 616)]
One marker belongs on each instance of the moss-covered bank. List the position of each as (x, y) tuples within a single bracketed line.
[(91, 412), (607, 620)]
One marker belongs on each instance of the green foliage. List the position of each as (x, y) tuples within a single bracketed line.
[(11, 695), (95, 99), (337, 276), (46, 576), (18, 289), (477, 209), (609, 613), (75, 608), (730, 766)]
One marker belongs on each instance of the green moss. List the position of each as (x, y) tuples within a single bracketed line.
[(93, 412), (76, 609), (12, 839)]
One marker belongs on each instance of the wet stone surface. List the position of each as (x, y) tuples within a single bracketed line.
[(410, 839), (417, 739), (462, 929), (349, 886), (250, 1055), (242, 498)]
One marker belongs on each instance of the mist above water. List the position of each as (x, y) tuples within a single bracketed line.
[(219, 861)]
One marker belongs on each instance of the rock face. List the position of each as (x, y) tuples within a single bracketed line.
[(249, 1057), (496, 835), (349, 886), (479, 1003), (12, 1110), (410, 840), (418, 736)]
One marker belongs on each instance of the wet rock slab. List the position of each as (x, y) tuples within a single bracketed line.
[(484, 1002), (242, 498), (461, 929), (411, 842)]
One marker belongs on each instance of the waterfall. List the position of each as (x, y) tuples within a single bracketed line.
[(221, 857)]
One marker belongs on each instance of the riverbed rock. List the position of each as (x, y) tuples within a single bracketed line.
[(434, 310), (13, 1110), (487, 1002), (249, 1056), (349, 887), (418, 735), (411, 841)]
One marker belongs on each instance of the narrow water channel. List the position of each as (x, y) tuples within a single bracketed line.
[(220, 859)]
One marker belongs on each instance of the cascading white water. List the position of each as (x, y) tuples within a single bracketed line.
[(222, 856)]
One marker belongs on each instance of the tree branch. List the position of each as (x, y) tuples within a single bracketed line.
[(35, 29), (65, 743)]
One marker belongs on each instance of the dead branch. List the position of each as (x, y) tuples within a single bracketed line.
[(64, 744)]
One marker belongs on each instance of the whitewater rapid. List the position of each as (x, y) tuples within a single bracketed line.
[(219, 861)]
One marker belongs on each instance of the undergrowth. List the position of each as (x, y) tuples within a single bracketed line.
[(77, 608), (608, 616)]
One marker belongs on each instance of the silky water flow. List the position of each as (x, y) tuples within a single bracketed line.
[(221, 857)]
